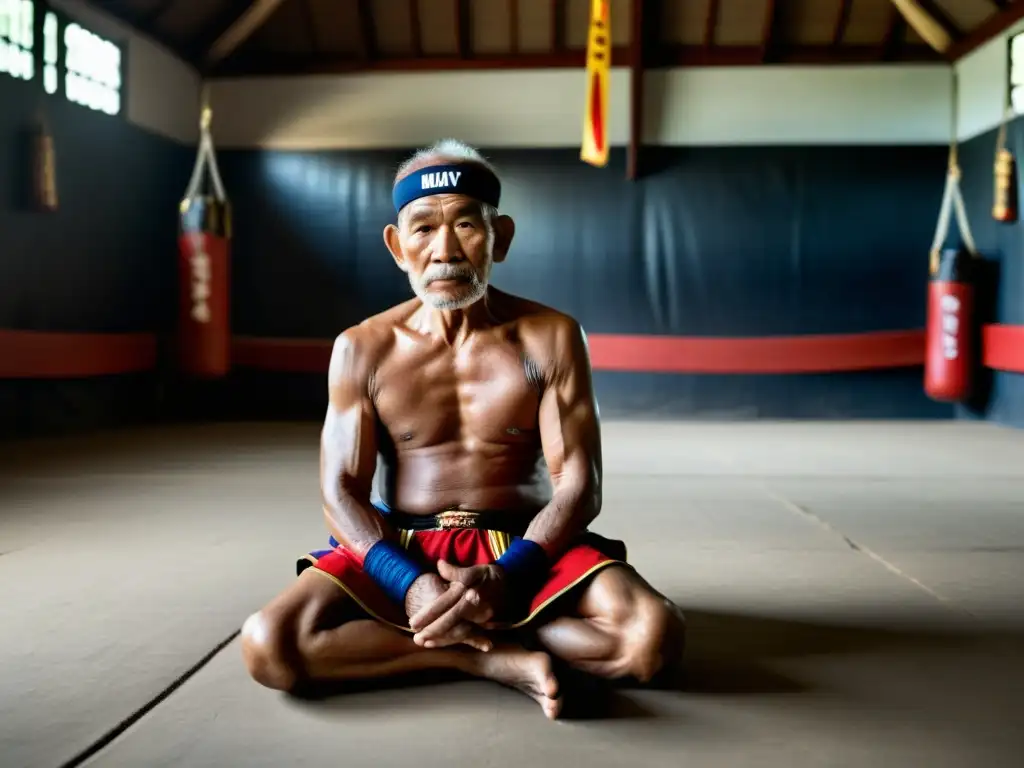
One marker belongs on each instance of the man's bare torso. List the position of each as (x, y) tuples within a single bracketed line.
[(458, 425)]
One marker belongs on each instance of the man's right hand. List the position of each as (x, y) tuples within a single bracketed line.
[(428, 589)]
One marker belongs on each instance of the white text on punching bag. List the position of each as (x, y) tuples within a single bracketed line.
[(200, 263), (949, 308)]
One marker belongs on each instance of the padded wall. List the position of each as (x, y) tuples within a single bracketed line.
[(731, 241), (1001, 396), (103, 263)]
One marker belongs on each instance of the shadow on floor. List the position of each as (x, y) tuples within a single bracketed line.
[(727, 655)]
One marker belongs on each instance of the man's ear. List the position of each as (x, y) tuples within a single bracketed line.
[(394, 244), (504, 231)]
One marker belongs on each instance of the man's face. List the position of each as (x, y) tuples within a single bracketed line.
[(446, 246)]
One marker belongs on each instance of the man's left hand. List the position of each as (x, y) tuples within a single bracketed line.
[(478, 604)]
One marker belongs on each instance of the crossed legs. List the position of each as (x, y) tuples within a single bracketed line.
[(621, 629)]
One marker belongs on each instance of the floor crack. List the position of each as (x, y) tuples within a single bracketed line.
[(866, 551), (106, 739)]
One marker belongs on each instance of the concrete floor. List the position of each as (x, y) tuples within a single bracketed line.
[(854, 594)]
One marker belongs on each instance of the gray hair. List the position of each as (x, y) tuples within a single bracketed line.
[(450, 149)]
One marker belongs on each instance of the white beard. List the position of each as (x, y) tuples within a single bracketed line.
[(468, 293)]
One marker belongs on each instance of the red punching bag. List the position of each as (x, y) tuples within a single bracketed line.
[(949, 353), (204, 312), (950, 348)]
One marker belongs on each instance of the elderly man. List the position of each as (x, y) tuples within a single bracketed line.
[(474, 558)]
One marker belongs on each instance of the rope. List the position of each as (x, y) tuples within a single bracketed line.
[(952, 199), (206, 155)]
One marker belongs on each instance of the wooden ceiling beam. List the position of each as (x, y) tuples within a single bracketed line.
[(841, 23), (309, 19), (942, 18), (464, 29), (367, 31), (670, 56), (711, 23), (770, 29), (559, 10), (936, 33), (895, 36), (158, 10), (416, 30), (997, 24), (144, 24), (513, 25), (241, 29)]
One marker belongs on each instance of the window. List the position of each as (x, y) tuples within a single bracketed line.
[(50, 53), (17, 35), (92, 70), (1016, 84), (75, 61)]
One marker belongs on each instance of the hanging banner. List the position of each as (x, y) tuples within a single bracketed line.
[(599, 63)]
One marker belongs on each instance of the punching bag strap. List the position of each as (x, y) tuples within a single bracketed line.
[(206, 156)]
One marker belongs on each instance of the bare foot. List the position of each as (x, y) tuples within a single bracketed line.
[(526, 671)]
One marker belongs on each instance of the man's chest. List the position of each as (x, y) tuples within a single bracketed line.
[(489, 394)]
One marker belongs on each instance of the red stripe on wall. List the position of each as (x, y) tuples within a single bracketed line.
[(44, 355), (785, 354), (281, 355), (36, 354), (1003, 347)]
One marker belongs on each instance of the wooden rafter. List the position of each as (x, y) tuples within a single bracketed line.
[(367, 31), (997, 24), (157, 11), (711, 23), (416, 29), (309, 19), (513, 25), (895, 36), (942, 18), (668, 56), (254, 17), (464, 29), (144, 23), (842, 22), (769, 34), (558, 25)]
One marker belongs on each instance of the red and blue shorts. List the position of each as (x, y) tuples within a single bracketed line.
[(465, 546)]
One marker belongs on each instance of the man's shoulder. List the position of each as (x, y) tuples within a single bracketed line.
[(552, 329), (368, 341)]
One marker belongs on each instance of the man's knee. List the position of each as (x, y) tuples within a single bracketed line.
[(268, 649), (653, 638)]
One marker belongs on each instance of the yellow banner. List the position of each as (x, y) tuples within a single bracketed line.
[(599, 63)]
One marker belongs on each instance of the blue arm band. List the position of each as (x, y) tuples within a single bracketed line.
[(390, 566), (526, 565)]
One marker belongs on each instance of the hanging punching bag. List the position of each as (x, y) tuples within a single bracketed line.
[(44, 169), (1004, 208), (949, 352), (949, 346), (1004, 199), (204, 322)]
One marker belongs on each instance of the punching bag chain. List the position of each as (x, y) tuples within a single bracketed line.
[(952, 198)]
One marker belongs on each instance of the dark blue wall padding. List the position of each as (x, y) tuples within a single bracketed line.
[(1001, 394), (713, 241), (104, 262)]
